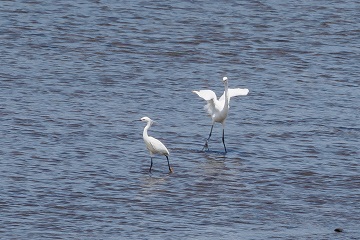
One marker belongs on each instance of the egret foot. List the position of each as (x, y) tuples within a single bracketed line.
[(206, 146)]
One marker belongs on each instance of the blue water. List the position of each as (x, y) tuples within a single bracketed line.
[(76, 76)]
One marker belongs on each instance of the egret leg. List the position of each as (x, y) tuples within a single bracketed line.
[(151, 165), (170, 169), (206, 146), (223, 139)]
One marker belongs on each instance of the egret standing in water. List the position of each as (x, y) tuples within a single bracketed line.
[(153, 145), (219, 109)]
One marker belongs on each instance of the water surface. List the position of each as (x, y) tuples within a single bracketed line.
[(75, 75)]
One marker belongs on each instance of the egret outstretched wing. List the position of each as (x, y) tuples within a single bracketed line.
[(233, 92), (206, 94), (211, 99)]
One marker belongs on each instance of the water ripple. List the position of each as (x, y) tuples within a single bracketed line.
[(76, 76)]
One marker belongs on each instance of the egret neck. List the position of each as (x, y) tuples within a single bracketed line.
[(226, 104), (145, 132)]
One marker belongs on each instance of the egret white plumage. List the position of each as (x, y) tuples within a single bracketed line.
[(154, 145), (219, 109)]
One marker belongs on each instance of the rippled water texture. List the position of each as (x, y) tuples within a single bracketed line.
[(75, 75)]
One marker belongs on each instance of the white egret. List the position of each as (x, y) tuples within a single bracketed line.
[(153, 145), (218, 109)]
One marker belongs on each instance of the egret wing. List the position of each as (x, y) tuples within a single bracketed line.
[(233, 92), (211, 99), (157, 146), (206, 94), (238, 92)]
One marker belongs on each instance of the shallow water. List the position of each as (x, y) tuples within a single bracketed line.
[(76, 75)]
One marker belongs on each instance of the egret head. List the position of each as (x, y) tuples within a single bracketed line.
[(225, 79), (146, 119)]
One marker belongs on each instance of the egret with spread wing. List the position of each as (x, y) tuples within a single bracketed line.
[(219, 109)]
